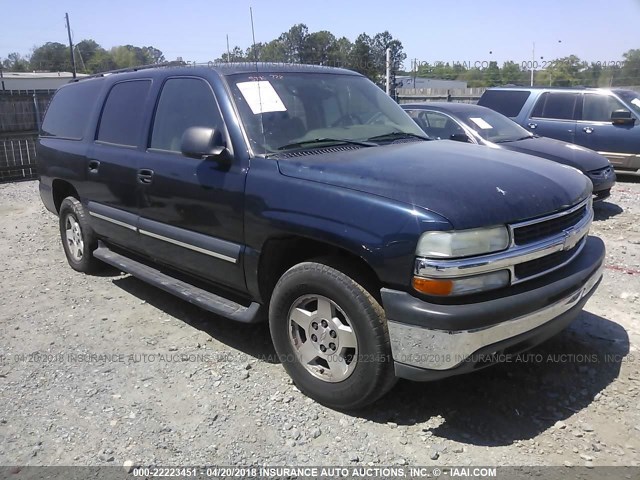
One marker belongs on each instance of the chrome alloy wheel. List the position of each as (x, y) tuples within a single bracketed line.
[(322, 338), (73, 237)]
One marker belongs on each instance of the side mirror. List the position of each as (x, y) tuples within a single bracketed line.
[(622, 117), (460, 137), (202, 142)]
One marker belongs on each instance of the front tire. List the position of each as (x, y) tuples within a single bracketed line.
[(331, 336), (77, 236)]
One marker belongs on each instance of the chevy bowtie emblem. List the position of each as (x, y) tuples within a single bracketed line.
[(571, 238)]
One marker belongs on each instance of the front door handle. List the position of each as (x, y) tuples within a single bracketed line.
[(533, 126), (587, 129), (94, 165), (145, 176)]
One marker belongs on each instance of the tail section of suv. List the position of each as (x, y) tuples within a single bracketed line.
[(306, 196), (604, 120)]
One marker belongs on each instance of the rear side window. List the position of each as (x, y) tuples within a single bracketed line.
[(507, 102), (559, 106), (184, 103), (70, 110), (121, 120)]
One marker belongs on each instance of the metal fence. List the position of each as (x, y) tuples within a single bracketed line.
[(17, 159), (21, 113)]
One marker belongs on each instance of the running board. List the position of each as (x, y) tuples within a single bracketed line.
[(192, 294)]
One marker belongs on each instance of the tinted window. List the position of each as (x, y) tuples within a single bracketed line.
[(555, 105), (506, 102), (436, 125), (598, 108), (69, 111), (123, 111), (184, 103)]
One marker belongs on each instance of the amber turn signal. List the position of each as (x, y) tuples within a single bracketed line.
[(430, 286)]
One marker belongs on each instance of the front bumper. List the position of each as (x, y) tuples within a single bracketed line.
[(603, 180), (431, 341)]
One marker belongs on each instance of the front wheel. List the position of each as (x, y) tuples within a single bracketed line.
[(331, 335)]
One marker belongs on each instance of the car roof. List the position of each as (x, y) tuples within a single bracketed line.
[(453, 107), (222, 68), (551, 89)]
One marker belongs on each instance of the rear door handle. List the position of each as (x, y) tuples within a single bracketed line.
[(533, 126), (94, 165), (145, 176), (587, 129)]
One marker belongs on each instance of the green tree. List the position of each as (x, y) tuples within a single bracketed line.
[(630, 72), (52, 56), (512, 74), (15, 63), (319, 48)]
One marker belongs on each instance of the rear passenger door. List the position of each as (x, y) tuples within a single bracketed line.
[(112, 163), (554, 116), (191, 210)]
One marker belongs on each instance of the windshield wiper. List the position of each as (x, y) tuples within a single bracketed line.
[(397, 134), (507, 140), (335, 141)]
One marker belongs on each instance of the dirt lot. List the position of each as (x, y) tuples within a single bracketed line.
[(105, 369)]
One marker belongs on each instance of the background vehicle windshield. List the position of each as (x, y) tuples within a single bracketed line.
[(493, 126), (281, 109)]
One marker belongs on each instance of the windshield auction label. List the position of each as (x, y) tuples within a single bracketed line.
[(481, 122), (261, 97)]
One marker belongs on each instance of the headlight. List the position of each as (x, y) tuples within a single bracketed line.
[(463, 243), (461, 285)]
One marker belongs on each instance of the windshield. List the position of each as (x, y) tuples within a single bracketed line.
[(631, 98), (306, 110), (493, 126)]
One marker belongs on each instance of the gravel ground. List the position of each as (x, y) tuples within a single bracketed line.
[(103, 370)]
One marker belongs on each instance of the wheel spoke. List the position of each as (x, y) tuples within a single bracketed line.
[(347, 337), (307, 352), (325, 309), (338, 366), (301, 317), (69, 234)]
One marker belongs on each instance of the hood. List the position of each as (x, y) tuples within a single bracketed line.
[(581, 158), (469, 185)]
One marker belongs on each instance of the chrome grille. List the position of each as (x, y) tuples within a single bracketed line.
[(535, 230)]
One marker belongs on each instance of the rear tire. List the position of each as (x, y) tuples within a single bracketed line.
[(78, 238), (331, 335)]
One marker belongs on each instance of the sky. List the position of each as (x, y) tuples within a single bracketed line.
[(463, 31)]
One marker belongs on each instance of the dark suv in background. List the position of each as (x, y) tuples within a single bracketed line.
[(607, 121), (307, 196)]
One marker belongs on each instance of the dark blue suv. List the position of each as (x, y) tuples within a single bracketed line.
[(607, 121), (306, 196)]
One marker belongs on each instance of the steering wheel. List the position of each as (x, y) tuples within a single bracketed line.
[(374, 118), (346, 120)]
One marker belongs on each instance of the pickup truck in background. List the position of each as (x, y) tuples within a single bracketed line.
[(604, 120), (306, 196)]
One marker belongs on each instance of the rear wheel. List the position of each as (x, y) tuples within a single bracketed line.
[(77, 236), (331, 336)]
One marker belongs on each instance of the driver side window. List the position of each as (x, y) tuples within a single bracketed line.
[(598, 108)]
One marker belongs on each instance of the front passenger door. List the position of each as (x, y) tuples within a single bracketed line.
[(596, 131), (191, 210)]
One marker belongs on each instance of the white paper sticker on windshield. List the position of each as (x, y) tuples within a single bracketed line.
[(480, 122), (261, 97), (636, 102)]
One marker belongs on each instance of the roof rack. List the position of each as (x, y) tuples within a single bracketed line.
[(175, 63)]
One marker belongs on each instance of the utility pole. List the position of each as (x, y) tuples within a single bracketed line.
[(533, 60), (388, 71), (73, 60)]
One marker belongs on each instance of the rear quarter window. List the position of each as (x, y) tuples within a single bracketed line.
[(507, 102), (70, 110)]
